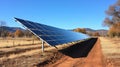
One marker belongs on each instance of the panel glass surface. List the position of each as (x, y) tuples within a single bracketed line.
[(52, 35)]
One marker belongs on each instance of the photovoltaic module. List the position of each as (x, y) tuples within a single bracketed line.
[(52, 35)]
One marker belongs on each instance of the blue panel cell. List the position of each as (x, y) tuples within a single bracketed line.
[(52, 35)]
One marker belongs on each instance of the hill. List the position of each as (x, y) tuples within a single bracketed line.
[(100, 31), (11, 29), (88, 30)]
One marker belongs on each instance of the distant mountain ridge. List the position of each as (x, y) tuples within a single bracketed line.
[(88, 30), (11, 29), (100, 31)]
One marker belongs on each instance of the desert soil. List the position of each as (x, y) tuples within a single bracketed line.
[(102, 52), (93, 59)]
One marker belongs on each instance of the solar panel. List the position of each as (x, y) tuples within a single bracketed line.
[(52, 35)]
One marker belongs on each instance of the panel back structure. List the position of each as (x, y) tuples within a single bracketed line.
[(52, 35)]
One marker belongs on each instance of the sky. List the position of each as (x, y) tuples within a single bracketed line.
[(65, 14)]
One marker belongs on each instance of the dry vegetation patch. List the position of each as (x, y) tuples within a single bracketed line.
[(11, 42), (111, 51), (28, 55)]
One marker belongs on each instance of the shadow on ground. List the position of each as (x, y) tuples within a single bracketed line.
[(81, 49)]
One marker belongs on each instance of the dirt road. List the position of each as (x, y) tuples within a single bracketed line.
[(82, 55)]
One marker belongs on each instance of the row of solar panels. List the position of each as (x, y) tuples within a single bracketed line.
[(52, 35)]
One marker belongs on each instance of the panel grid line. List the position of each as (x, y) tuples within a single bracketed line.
[(52, 35)]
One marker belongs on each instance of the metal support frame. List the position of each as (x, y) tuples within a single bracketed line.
[(42, 45)]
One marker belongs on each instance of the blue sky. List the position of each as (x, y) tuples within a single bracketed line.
[(66, 14)]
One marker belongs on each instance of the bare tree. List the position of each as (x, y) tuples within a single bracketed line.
[(113, 19), (113, 13), (2, 23), (3, 31)]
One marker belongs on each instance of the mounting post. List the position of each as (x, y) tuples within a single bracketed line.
[(42, 46)]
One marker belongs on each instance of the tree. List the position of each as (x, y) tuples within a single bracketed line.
[(10, 34), (82, 30), (2, 23), (27, 33), (90, 33), (114, 30), (113, 19), (3, 31), (18, 33), (96, 34)]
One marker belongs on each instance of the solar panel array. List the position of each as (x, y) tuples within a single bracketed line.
[(52, 35)]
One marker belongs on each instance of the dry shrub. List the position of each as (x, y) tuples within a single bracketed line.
[(82, 30), (114, 30)]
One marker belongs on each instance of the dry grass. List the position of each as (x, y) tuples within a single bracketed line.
[(109, 46), (22, 44), (26, 53), (9, 42), (111, 50)]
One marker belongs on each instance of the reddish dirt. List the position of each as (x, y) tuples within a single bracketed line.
[(81, 56), (84, 54)]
